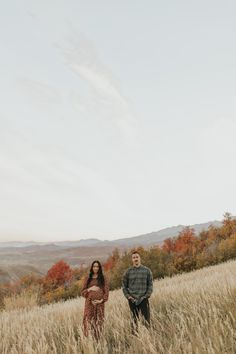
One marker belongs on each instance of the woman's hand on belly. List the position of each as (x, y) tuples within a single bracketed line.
[(96, 295), (96, 302), (93, 288)]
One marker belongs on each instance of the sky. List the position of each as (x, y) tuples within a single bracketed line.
[(117, 118)]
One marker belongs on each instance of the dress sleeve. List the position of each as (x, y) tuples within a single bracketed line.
[(84, 291), (106, 290)]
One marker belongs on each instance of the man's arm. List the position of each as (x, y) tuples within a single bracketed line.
[(149, 284), (125, 284)]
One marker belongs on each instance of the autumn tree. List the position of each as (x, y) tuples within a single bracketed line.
[(185, 241), (228, 227), (112, 260), (168, 245), (60, 274)]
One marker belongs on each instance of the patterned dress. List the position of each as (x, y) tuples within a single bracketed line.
[(94, 314)]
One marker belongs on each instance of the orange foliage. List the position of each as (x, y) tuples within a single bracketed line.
[(112, 260), (168, 245), (59, 274), (185, 241)]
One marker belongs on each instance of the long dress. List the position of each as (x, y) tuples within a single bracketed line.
[(94, 314)]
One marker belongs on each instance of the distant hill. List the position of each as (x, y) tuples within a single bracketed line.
[(19, 261), (21, 258), (152, 238), (11, 273), (158, 237), (7, 244), (148, 239), (79, 243)]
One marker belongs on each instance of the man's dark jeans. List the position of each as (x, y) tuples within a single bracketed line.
[(143, 309)]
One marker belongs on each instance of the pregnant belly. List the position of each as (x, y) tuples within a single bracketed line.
[(96, 295)]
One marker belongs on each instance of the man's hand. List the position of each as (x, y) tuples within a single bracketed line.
[(96, 302), (131, 298), (93, 288), (142, 298)]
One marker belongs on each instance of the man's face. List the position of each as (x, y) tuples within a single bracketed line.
[(136, 259)]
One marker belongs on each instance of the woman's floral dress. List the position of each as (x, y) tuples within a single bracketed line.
[(94, 314)]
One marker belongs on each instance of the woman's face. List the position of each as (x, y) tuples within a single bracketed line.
[(95, 268)]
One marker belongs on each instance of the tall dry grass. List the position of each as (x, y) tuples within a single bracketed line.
[(191, 313), (25, 300)]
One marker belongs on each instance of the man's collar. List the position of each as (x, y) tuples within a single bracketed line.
[(138, 266)]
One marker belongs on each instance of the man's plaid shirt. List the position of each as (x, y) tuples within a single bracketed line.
[(137, 282)]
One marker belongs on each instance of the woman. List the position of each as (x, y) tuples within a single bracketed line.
[(95, 290)]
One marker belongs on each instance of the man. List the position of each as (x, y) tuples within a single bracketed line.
[(137, 287)]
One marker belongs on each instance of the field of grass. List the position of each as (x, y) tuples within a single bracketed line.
[(191, 313)]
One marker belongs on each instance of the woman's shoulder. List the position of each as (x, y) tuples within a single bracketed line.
[(85, 279)]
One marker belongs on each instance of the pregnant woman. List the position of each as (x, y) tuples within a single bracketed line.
[(95, 290)]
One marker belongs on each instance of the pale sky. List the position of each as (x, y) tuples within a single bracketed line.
[(117, 118)]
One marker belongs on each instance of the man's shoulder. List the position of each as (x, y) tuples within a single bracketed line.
[(129, 269), (146, 268)]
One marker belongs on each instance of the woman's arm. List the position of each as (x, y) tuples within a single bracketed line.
[(106, 290)]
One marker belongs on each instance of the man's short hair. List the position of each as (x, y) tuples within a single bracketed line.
[(134, 252)]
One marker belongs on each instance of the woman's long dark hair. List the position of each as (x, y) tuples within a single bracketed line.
[(100, 277)]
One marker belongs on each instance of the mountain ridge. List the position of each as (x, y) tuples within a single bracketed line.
[(21, 258), (143, 239)]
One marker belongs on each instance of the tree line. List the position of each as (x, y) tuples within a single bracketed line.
[(175, 255)]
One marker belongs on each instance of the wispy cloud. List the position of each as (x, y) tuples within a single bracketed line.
[(41, 172), (42, 93), (82, 58)]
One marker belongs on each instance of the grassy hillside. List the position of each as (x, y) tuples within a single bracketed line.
[(191, 313)]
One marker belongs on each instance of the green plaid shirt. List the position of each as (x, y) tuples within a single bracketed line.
[(137, 282)]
